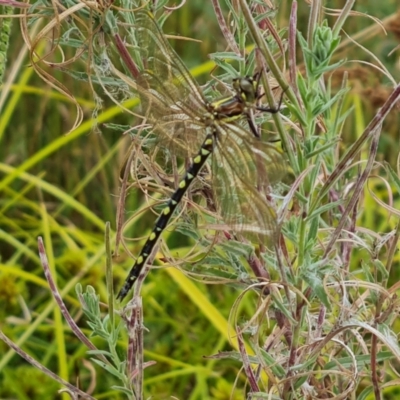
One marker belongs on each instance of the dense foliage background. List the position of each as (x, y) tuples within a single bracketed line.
[(61, 181)]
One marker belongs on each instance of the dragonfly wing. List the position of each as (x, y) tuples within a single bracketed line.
[(243, 170), (171, 99)]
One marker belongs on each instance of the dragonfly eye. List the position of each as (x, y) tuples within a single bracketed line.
[(246, 88)]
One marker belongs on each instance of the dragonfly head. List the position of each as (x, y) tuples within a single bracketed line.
[(246, 88)]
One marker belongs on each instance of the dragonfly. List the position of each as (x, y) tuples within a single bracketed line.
[(185, 121)]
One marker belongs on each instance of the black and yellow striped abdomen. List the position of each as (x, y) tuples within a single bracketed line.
[(166, 214)]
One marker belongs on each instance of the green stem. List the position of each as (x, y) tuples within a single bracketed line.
[(278, 75), (300, 259), (315, 17), (5, 30), (345, 12)]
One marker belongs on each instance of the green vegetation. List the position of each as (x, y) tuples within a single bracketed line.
[(312, 314)]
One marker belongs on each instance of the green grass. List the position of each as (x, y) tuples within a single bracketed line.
[(331, 302)]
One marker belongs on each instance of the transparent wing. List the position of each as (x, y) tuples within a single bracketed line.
[(243, 166), (171, 99), (243, 169)]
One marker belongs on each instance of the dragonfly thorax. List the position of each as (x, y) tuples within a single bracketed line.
[(227, 108)]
